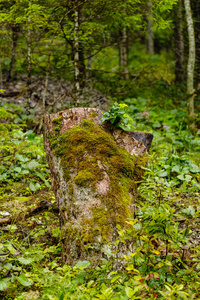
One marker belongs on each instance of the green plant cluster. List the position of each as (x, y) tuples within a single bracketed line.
[(118, 117), (22, 157)]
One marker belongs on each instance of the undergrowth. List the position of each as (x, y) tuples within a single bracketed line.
[(163, 261)]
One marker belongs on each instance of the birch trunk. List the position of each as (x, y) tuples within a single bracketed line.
[(190, 67)]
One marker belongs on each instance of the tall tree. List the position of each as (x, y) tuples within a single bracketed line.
[(28, 82), (150, 40), (190, 67), (123, 53)]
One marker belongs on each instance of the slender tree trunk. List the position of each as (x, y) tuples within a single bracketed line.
[(123, 54), (76, 49), (29, 56), (179, 43), (150, 41), (15, 34), (190, 67), (82, 69)]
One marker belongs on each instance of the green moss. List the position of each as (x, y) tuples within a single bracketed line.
[(93, 115), (57, 122), (84, 178), (91, 152), (98, 226)]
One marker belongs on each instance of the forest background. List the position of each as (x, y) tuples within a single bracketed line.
[(60, 54)]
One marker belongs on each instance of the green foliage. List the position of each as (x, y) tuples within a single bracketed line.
[(22, 154)]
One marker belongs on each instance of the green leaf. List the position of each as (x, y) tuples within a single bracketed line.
[(137, 226), (186, 232), (21, 157), (194, 168), (32, 164), (82, 264), (4, 283), (181, 177), (163, 173), (41, 176), (22, 279), (32, 187), (129, 291), (12, 250), (25, 261), (176, 169)]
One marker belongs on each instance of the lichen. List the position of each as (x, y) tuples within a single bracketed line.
[(91, 152)]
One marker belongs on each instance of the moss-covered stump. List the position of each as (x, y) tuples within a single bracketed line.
[(94, 168)]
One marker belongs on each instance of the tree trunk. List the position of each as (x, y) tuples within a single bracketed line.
[(123, 54), (94, 169), (179, 43), (190, 67), (150, 41), (82, 69), (76, 51), (28, 82)]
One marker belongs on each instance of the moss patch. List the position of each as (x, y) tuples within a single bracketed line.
[(92, 152)]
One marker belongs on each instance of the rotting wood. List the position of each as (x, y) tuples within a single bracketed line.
[(94, 169)]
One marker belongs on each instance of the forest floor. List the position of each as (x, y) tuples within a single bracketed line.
[(168, 206)]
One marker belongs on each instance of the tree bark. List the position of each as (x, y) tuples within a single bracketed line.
[(94, 169), (190, 67), (179, 44), (123, 54), (79, 63), (28, 82), (150, 41)]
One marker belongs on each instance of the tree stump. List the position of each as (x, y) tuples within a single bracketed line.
[(94, 168)]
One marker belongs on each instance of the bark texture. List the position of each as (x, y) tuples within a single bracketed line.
[(123, 53), (190, 66), (29, 56), (150, 41), (94, 168)]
